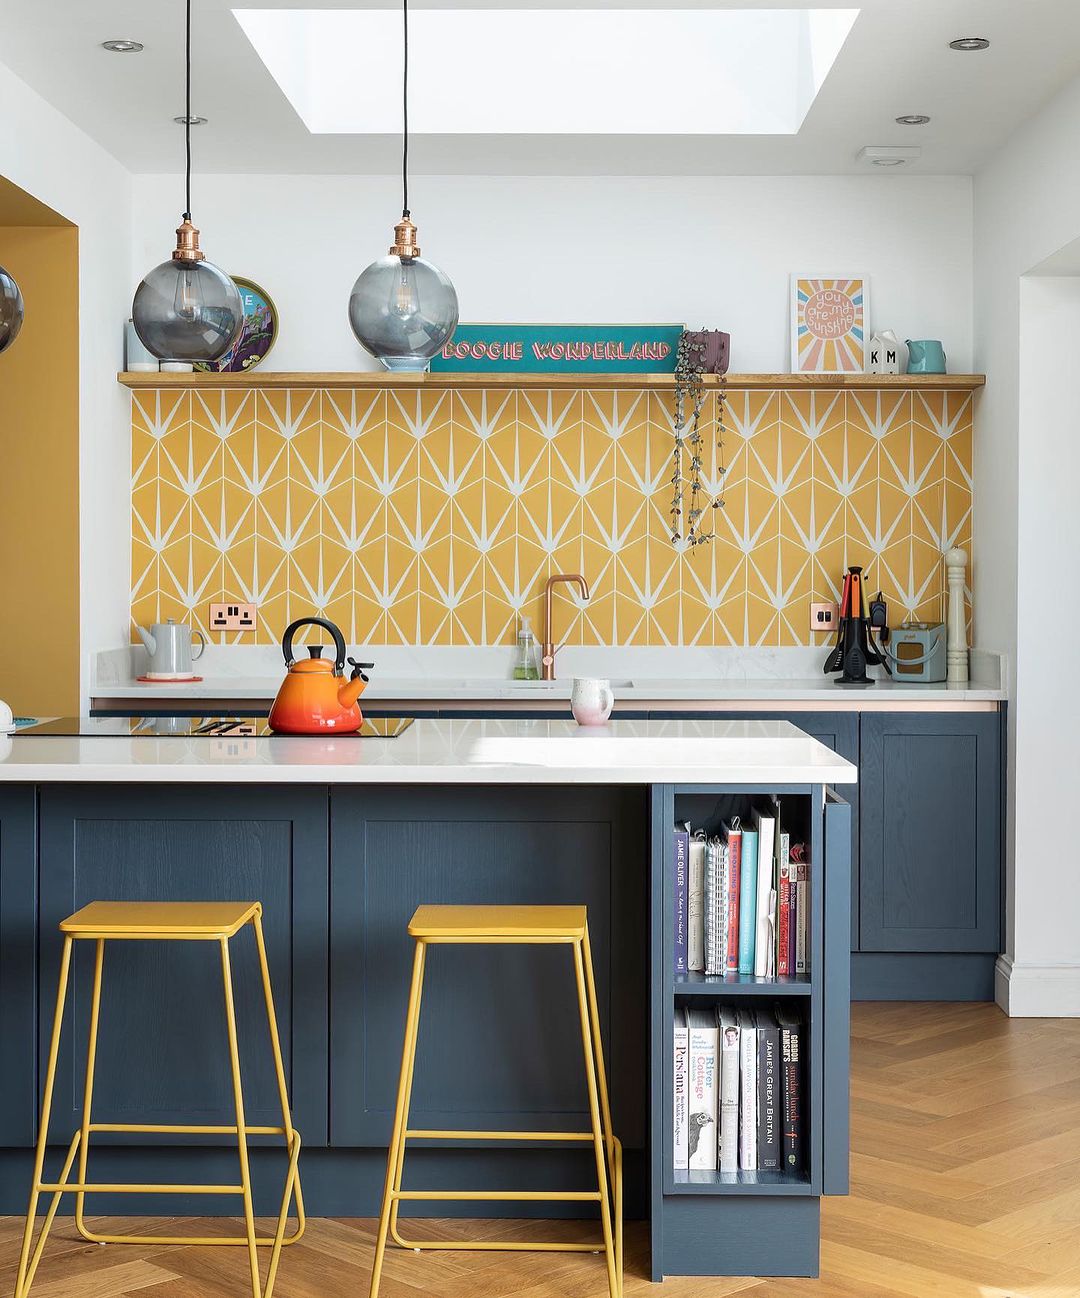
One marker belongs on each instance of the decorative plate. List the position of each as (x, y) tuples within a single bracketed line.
[(257, 336)]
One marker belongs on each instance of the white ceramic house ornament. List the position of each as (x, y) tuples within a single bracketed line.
[(884, 353)]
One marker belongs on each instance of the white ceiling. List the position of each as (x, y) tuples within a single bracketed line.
[(895, 61)]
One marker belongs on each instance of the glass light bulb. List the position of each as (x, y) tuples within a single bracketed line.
[(405, 300), (188, 301)]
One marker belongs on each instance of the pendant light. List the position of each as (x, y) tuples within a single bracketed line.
[(11, 310), (402, 308), (187, 309)]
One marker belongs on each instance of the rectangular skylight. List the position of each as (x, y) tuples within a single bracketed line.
[(551, 71)]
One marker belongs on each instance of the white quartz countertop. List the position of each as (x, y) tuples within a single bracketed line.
[(638, 691), (441, 752)]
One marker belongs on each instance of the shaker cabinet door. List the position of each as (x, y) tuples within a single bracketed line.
[(18, 950), (930, 832), (500, 1043), (163, 1051)]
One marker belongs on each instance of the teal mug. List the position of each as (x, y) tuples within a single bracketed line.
[(925, 356)]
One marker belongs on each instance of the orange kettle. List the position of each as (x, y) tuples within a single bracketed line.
[(315, 698)]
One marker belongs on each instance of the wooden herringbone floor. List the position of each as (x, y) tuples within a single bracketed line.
[(965, 1184)]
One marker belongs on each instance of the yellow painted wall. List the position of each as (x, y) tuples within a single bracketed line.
[(39, 473), (435, 517)]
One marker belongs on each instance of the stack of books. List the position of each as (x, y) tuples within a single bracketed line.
[(738, 1090), (742, 898)]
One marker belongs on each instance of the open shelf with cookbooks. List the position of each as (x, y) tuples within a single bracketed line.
[(751, 914), (742, 893), (740, 1122)]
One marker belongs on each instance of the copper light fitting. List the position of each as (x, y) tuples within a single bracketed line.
[(187, 243), (404, 245)]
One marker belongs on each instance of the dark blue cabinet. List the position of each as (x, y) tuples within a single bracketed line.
[(930, 832), (162, 1050), (18, 951), (500, 1045)]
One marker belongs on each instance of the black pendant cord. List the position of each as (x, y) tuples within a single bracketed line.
[(187, 116), (404, 110)]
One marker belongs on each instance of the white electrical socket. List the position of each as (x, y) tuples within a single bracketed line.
[(232, 617)]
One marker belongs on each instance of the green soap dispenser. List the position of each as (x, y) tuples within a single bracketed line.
[(527, 664)]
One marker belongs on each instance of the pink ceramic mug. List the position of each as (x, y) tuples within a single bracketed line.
[(591, 701)]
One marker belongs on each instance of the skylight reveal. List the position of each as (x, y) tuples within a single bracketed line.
[(552, 71)]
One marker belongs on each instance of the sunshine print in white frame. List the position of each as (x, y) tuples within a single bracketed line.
[(829, 314)]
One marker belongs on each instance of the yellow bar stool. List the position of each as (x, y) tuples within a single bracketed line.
[(510, 925), (109, 921)]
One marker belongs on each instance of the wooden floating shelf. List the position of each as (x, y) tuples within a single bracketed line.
[(380, 379)]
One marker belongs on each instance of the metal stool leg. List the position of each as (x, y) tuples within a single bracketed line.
[(396, 1154), (241, 1129), (399, 1172), (88, 1086), (599, 1142), (292, 1136), (614, 1151), (28, 1266)]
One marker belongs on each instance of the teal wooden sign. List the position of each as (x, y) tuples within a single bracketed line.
[(559, 349)]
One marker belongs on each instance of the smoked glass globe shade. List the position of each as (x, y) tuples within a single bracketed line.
[(11, 310), (403, 310), (187, 311)]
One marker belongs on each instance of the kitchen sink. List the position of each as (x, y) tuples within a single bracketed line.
[(563, 684)]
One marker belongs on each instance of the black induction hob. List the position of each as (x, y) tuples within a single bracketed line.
[(219, 727)]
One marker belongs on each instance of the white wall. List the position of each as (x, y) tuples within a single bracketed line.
[(1047, 708), (1027, 208), (587, 248), (43, 153)]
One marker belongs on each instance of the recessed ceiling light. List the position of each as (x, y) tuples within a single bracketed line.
[(888, 155), (970, 43), (190, 121), (912, 119), (122, 47)]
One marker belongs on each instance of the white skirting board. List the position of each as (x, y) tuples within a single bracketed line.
[(1035, 991)]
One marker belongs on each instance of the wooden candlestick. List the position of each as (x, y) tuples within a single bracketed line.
[(957, 660)]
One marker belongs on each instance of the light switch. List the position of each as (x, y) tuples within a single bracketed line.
[(824, 617)]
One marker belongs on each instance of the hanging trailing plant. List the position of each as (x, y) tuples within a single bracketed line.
[(699, 353)]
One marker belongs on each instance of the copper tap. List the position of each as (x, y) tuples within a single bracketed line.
[(547, 650)]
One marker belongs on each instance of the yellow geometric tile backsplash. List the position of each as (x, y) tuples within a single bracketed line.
[(435, 517)]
